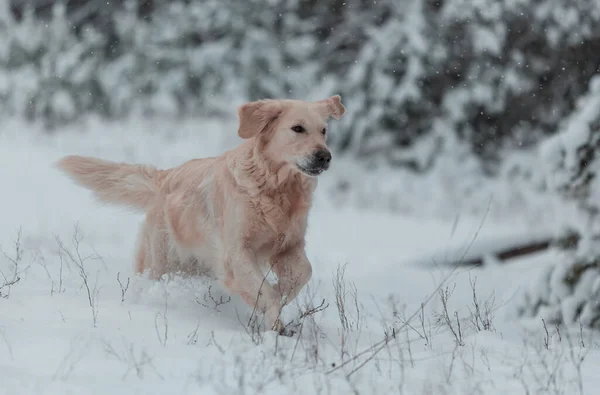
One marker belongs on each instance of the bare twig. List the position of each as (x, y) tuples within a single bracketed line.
[(460, 340), (252, 327), (216, 344), (16, 261), (294, 327), (78, 260), (307, 329), (7, 284), (481, 317), (410, 355), (165, 322), (8, 346), (443, 318), (451, 367), (208, 296), (577, 358), (133, 362), (252, 320), (42, 263), (314, 310), (547, 336), (426, 335), (77, 351), (339, 285), (193, 336), (377, 347), (124, 288)]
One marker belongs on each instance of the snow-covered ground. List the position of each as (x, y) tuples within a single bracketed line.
[(187, 336)]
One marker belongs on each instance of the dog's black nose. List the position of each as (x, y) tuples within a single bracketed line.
[(322, 156)]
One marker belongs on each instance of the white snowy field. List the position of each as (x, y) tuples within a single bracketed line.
[(185, 335)]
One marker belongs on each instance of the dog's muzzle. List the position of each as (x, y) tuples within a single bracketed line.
[(316, 163)]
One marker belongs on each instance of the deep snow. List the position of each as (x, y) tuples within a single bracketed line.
[(169, 337)]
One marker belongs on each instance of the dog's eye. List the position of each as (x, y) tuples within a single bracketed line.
[(324, 131), (298, 129)]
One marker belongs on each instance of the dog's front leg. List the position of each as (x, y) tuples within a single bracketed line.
[(246, 278), (293, 271)]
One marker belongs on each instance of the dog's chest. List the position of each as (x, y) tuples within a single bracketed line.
[(282, 218)]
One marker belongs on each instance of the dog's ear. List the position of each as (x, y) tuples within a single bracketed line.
[(256, 116), (332, 106)]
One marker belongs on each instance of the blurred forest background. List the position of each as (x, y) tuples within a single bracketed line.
[(499, 74), (480, 81)]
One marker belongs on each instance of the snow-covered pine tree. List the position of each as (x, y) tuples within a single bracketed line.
[(499, 74), (383, 85), (194, 57), (569, 291), (48, 73), (522, 66)]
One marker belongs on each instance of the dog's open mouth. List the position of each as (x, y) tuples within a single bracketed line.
[(311, 171)]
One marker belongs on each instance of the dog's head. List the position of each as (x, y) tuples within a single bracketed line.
[(292, 132)]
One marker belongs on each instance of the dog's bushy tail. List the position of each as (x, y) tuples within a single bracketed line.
[(132, 185)]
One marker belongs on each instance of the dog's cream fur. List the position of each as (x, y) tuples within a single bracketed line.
[(236, 213)]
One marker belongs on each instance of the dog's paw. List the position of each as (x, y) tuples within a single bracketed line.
[(290, 329), (277, 326)]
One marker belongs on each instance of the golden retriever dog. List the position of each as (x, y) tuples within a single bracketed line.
[(238, 213)]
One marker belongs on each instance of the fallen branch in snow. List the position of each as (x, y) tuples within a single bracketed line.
[(503, 254)]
